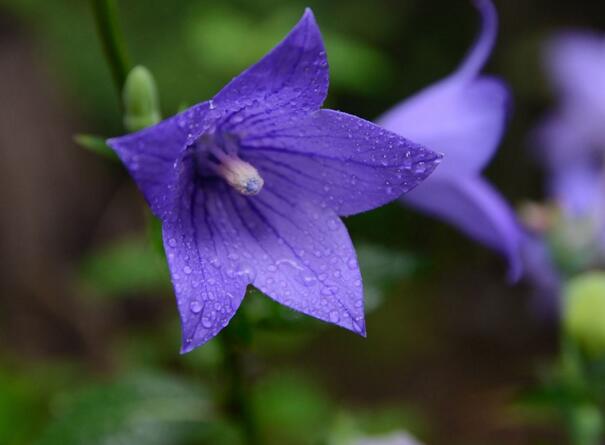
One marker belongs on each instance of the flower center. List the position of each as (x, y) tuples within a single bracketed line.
[(240, 175), (219, 155)]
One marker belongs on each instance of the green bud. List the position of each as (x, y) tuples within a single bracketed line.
[(584, 316), (141, 103)]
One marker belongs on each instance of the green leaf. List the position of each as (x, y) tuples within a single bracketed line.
[(96, 144), (138, 409), (125, 267)]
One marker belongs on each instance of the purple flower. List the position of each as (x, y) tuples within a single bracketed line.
[(464, 116), (572, 139), (572, 148), (250, 185)]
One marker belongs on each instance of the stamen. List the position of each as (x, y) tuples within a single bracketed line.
[(240, 175)]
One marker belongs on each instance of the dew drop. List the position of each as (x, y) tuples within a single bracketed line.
[(195, 307), (334, 317), (187, 270), (309, 280), (326, 291), (352, 263)]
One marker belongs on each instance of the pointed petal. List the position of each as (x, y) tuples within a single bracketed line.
[(208, 282), (474, 207), (150, 155), (293, 77), (339, 161), (298, 254), (463, 120)]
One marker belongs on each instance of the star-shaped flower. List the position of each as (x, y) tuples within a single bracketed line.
[(464, 116), (250, 185)]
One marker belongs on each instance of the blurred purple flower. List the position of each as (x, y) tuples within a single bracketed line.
[(464, 116), (250, 185), (572, 147), (572, 139)]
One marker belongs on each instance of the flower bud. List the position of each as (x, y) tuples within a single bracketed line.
[(584, 314), (141, 103)]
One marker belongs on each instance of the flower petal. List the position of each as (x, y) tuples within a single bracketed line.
[(293, 77), (474, 207), (575, 179), (208, 283), (578, 188), (299, 254), (576, 64), (339, 161), (462, 116), (463, 120), (150, 155)]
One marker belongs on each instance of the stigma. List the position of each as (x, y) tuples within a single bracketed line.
[(240, 175)]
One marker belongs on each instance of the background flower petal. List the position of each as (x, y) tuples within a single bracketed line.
[(476, 208), (339, 161), (462, 119), (576, 65)]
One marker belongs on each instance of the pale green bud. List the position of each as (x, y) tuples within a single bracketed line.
[(584, 312), (141, 103)]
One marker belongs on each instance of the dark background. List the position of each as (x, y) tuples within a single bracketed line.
[(451, 346)]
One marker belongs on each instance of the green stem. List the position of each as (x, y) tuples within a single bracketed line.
[(238, 398), (106, 18)]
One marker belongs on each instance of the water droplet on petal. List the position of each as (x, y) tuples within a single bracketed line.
[(196, 307), (333, 224), (352, 263), (334, 317)]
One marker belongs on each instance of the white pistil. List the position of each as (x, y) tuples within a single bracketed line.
[(240, 175)]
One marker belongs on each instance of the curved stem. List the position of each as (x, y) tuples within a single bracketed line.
[(106, 18)]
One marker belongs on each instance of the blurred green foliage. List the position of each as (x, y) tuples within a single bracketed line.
[(137, 409), (125, 267)]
